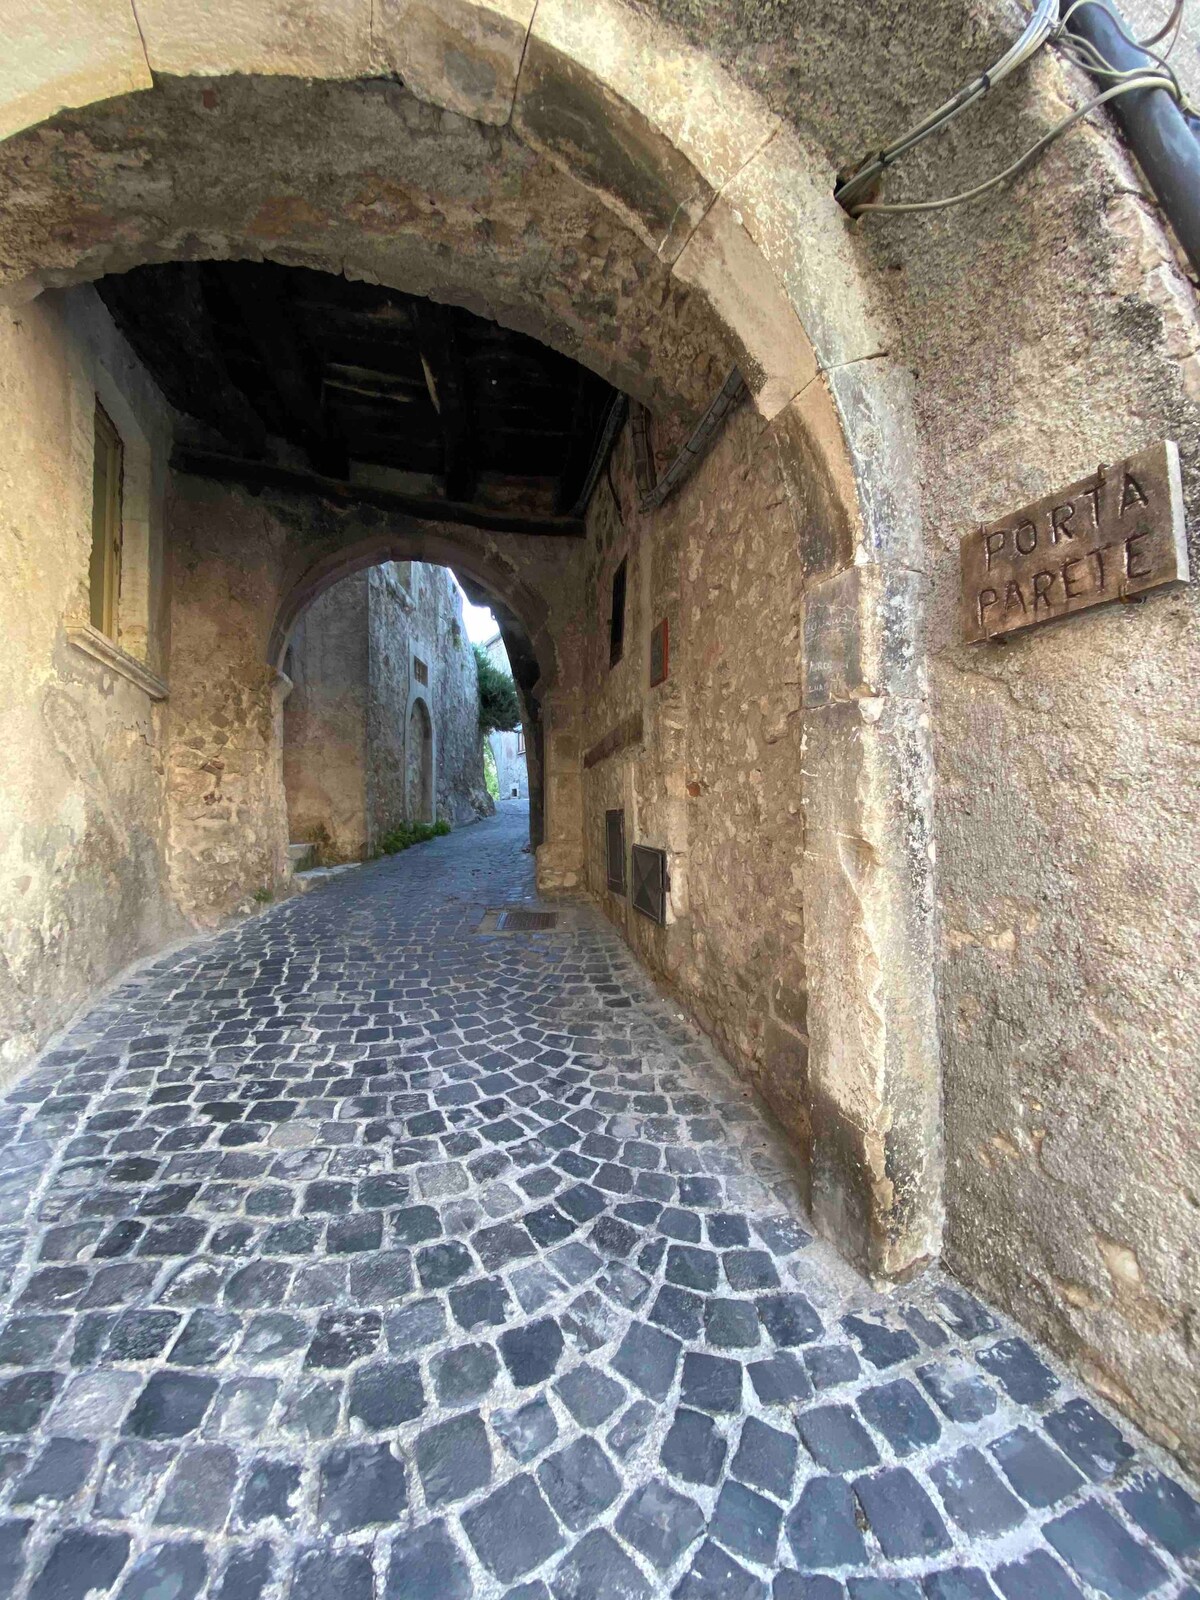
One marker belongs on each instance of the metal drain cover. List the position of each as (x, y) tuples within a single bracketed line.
[(528, 921)]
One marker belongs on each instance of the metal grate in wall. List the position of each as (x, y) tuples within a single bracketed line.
[(614, 841), (650, 883)]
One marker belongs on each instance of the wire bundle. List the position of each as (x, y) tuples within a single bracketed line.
[(1041, 30)]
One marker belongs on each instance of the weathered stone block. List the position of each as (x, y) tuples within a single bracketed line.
[(688, 103), (783, 197), (775, 356), (313, 39), (457, 54), (610, 147), (861, 635), (58, 54), (873, 1067), (818, 479)]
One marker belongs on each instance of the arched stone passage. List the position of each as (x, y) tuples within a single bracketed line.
[(418, 763), (491, 578), (671, 237)]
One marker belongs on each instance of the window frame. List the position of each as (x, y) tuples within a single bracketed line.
[(108, 525), (616, 615)]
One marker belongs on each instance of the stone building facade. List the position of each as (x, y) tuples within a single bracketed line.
[(381, 725), (937, 900), (508, 748)]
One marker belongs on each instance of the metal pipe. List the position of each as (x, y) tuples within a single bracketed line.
[(654, 491), (1165, 141)]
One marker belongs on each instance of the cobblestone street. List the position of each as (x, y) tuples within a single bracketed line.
[(355, 1254)]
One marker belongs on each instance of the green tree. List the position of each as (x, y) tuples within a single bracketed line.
[(499, 708)]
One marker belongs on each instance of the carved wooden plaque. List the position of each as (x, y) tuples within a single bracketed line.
[(1107, 537)]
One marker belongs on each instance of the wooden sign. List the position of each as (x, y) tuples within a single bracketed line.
[(1107, 537)]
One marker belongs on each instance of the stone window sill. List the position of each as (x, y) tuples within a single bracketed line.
[(101, 648)]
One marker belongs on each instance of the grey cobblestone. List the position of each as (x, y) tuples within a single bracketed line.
[(354, 1254)]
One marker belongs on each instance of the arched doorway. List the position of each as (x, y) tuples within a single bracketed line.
[(418, 758), (573, 202)]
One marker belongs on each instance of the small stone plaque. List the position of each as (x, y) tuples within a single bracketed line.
[(1108, 537)]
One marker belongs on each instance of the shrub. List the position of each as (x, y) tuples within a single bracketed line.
[(499, 708), (410, 833)]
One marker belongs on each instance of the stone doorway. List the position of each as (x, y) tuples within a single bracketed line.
[(418, 758)]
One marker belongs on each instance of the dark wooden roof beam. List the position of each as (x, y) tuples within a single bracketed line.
[(275, 336)]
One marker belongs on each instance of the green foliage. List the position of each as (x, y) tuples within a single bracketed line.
[(263, 896), (409, 833), (499, 708), (491, 777)]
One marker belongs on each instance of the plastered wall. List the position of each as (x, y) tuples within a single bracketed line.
[(82, 880)]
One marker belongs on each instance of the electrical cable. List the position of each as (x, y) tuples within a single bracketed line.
[(1041, 29), (1037, 31), (1172, 21), (1148, 80)]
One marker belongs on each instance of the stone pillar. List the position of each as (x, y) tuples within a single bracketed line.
[(227, 815), (874, 1072), (560, 855)]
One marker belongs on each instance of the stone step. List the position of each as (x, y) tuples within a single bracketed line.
[(301, 855)]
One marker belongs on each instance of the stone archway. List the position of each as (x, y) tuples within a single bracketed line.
[(419, 763), (677, 230)]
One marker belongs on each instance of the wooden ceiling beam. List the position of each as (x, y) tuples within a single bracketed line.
[(274, 335), (262, 476), (438, 344)]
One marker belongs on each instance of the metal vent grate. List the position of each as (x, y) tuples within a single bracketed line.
[(650, 883), (528, 921)]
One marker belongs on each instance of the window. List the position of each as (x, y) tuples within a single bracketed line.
[(659, 655), (520, 741), (616, 621), (420, 670), (614, 843), (105, 570)]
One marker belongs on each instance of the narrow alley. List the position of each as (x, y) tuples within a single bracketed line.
[(353, 1252)]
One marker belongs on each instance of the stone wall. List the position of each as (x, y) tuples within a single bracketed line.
[(430, 603), (82, 877), (708, 764), (325, 721), (508, 748), (348, 722)]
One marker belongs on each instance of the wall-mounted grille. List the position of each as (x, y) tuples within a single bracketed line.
[(614, 838), (420, 670), (528, 921), (650, 882)]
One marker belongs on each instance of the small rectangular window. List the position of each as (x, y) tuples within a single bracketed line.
[(616, 621), (520, 741), (659, 655), (104, 575), (420, 670), (614, 830)]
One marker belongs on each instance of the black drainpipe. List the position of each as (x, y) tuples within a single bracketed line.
[(1165, 141)]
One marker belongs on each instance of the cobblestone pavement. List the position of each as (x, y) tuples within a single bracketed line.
[(355, 1255)]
